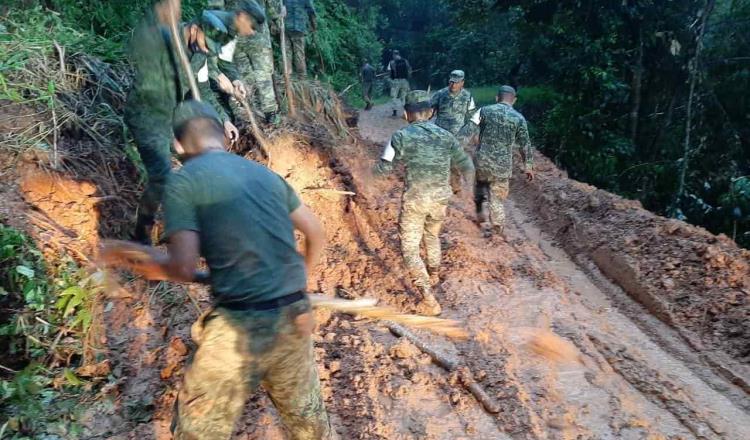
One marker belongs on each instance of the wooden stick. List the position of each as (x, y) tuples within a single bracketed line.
[(439, 358), (177, 44), (254, 125), (287, 78), (449, 364), (330, 191)]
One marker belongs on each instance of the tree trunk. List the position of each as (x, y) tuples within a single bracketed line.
[(693, 73), (637, 87)]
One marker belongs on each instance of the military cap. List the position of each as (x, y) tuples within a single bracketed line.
[(506, 90), (253, 9), (191, 109), (417, 100), (457, 76)]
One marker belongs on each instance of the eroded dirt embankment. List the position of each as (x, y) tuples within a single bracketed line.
[(697, 282)]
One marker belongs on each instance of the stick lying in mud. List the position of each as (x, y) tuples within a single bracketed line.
[(450, 364)]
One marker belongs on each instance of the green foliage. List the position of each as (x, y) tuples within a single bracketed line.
[(344, 39), (39, 308)]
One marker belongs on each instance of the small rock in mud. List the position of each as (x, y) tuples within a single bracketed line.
[(330, 337), (404, 350)]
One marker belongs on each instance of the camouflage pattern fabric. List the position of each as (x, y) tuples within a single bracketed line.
[(399, 89), (428, 152), (295, 48), (500, 127), (298, 13), (453, 111), (421, 221), (254, 61), (494, 193), (237, 351)]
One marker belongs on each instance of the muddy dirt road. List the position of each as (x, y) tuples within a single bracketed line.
[(638, 379)]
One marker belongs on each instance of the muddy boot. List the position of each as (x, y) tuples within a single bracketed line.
[(429, 305), (482, 216), (368, 106), (273, 118), (496, 233)]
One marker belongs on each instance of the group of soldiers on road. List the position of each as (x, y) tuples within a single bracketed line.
[(242, 217), (431, 146)]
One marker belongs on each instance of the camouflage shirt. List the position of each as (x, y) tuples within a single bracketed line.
[(500, 127), (453, 111), (298, 13), (429, 152)]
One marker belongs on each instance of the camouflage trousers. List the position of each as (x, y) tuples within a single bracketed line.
[(254, 60), (494, 192), (237, 351), (421, 221), (399, 89), (153, 139), (295, 50)]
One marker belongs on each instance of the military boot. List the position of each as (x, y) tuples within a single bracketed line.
[(394, 115), (482, 216), (429, 305)]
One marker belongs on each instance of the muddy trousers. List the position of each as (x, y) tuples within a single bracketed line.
[(295, 49), (421, 221), (153, 140), (399, 89), (494, 193), (237, 350)]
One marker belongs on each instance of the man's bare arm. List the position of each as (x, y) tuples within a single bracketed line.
[(306, 222), (178, 264)]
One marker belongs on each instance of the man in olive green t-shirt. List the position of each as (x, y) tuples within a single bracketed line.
[(241, 217)]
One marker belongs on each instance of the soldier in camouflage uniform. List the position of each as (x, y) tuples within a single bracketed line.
[(300, 13), (500, 127), (254, 61), (428, 152), (159, 85), (454, 105), (241, 217)]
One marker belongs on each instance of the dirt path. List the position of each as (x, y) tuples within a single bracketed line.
[(637, 381)]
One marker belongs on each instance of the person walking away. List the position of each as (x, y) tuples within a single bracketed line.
[(454, 106), (500, 128), (429, 153), (240, 217), (400, 73), (300, 14), (368, 77)]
